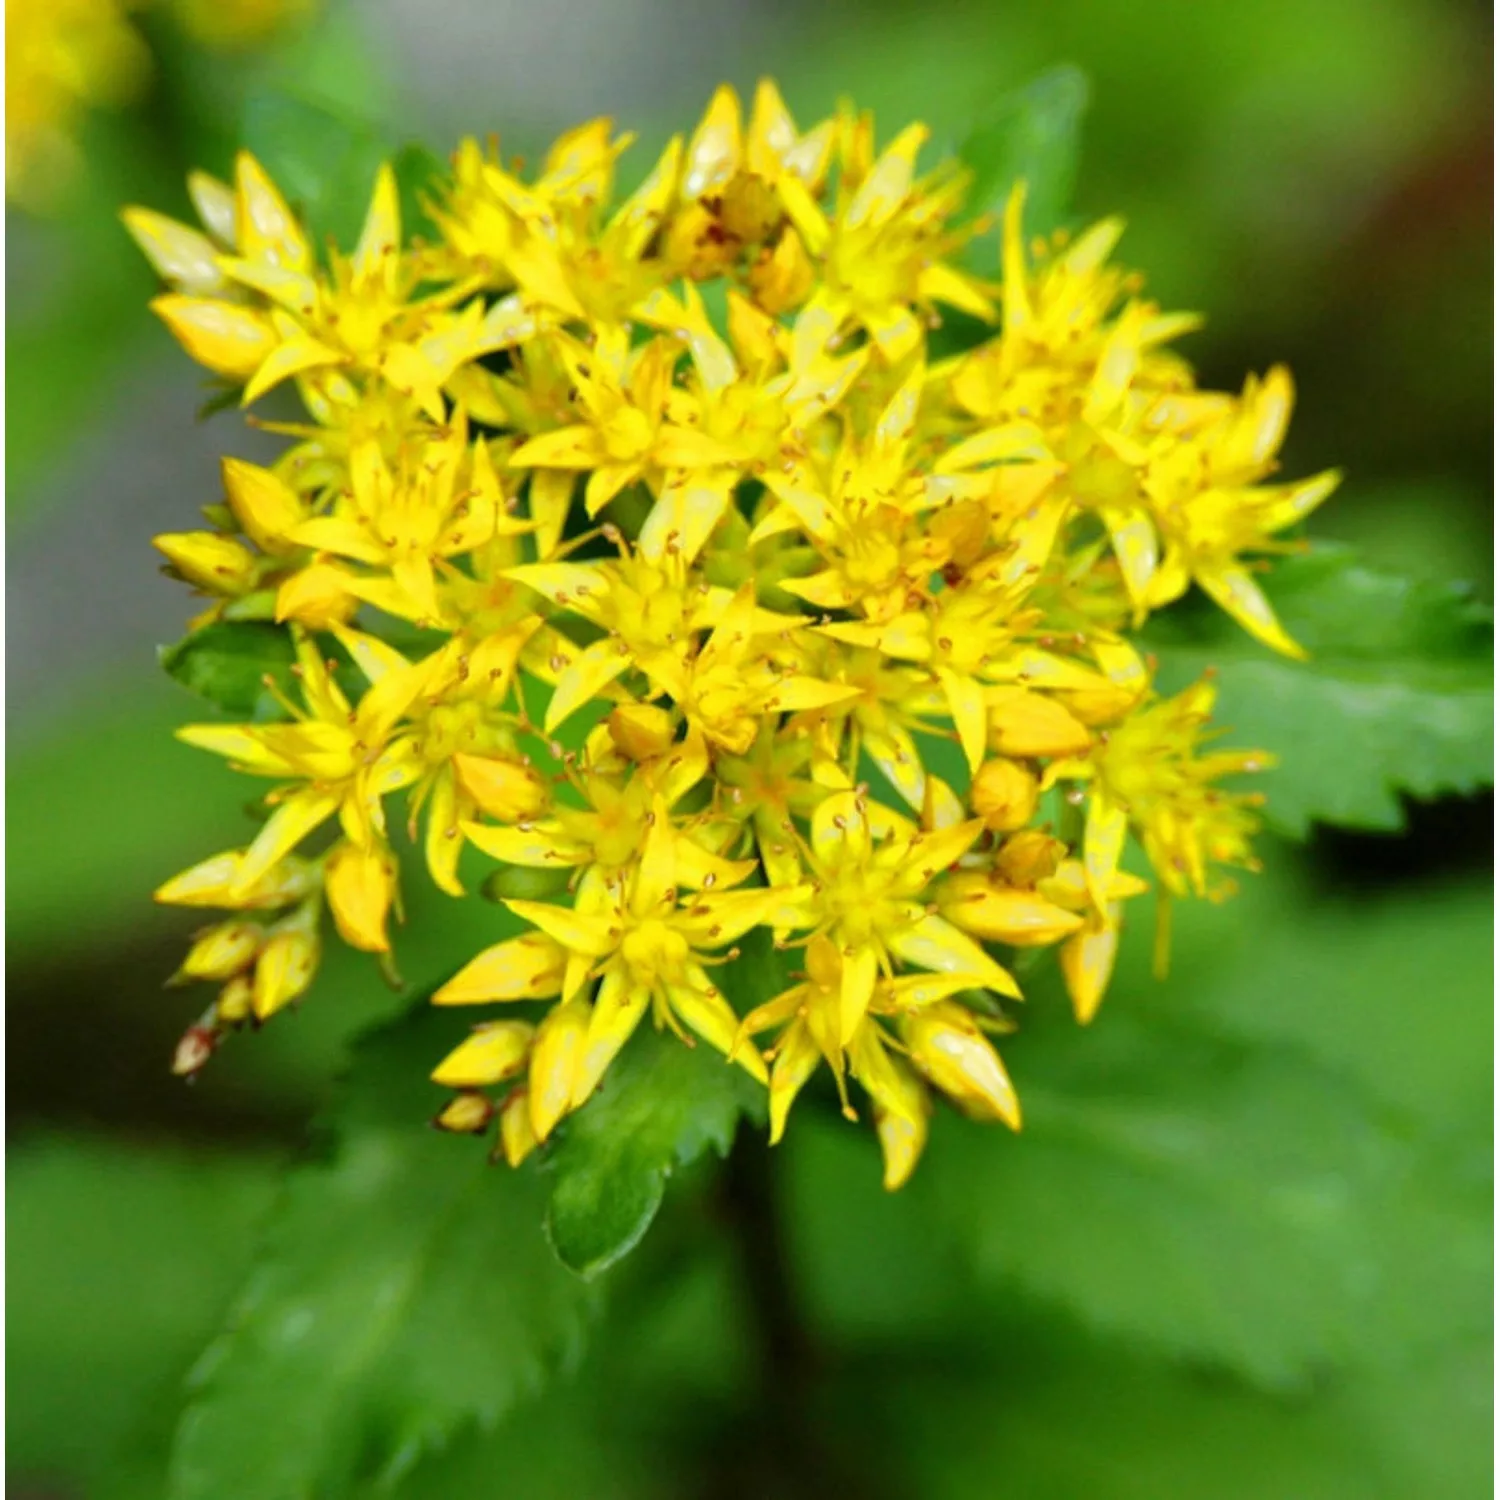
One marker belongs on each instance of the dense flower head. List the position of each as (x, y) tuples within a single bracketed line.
[(651, 548)]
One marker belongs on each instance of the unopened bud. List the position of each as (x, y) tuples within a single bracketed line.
[(1028, 724), (236, 1000), (1004, 795), (195, 1049), (1029, 856), (640, 730), (505, 789), (494, 1052), (465, 1114), (214, 563), (284, 970), (221, 951), (264, 506)]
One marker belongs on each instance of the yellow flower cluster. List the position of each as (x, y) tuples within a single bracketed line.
[(650, 549)]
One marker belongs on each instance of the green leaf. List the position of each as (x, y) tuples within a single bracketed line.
[(120, 1260), (227, 663), (403, 1293), (419, 173), (1397, 697), (323, 160), (674, 1341), (661, 1106), (1180, 1155), (1062, 1417), (1031, 135)]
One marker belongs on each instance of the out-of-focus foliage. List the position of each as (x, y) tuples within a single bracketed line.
[(1240, 1248), (1401, 680)]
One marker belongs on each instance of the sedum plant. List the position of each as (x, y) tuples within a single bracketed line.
[(750, 569), (737, 634)]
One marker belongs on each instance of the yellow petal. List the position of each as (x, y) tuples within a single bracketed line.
[(264, 226), (966, 703), (540, 846), (443, 844), (1103, 844), (1002, 914), (286, 360), (1235, 592), (493, 1052), (221, 952), (856, 989), (524, 968), (595, 667), (178, 254), (714, 153), (292, 821), (361, 884), (588, 935), (214, 202), (618, 1007), (796, 1059), (229, 340), (935, 944), (957, 1057), (380, 239), (1087, 959), (517, 1139), (555, 1060), (209, 883), (708, 1013)]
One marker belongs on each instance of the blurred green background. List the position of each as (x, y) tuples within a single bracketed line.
[(1243, 1248)]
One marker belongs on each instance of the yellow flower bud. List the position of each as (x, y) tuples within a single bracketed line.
[(640, 730), (1029, 856), (465, 1114), (947, 1045), (697, 245), (263, 505), (494, 1052), (195, 1049), (1004, 914), (317, 596), (214, 563), (360, 884), (285, 969), (782, 278), (209, 884), (1004, 795), (228, 339), (750, 209), (236, 1000), (1027, 724), (182, 256), (505, 789), (965, 527), (221, 951)]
